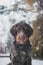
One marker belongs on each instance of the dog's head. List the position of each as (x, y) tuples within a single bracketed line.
[(21, 30)]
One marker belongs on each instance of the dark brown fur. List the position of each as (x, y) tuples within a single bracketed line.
[(21, 26), (21, 54)]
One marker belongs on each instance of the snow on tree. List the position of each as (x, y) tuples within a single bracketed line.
[(13, 11)]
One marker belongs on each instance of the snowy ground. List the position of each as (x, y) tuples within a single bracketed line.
[(37, 62), (6, 60)]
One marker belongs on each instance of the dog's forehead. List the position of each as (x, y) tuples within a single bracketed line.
[(21, 26), (21, 32)]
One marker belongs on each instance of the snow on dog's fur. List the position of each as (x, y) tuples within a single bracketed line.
[(21, 48)]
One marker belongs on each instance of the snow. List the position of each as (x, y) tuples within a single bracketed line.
[(37, 62), (4, 55), (8, 16), (7, 2), (6, 60)]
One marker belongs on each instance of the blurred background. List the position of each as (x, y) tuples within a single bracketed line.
[(13, 11)]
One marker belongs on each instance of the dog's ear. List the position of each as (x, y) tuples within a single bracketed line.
[(29, 30), (13, 31)]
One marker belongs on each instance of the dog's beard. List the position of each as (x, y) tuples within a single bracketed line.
[(21, 37)]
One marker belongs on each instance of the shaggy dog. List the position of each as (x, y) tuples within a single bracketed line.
[(21, 48)]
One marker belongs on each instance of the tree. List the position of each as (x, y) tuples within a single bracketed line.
[(37, 39), (30, 1)]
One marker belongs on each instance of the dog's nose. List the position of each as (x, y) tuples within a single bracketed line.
[(21, 35)]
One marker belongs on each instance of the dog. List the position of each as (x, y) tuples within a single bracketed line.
[(21, 48)]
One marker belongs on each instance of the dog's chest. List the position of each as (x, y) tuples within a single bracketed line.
[(18, 52), (20, 56)]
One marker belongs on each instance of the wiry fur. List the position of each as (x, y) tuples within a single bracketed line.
[(21, 54)]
